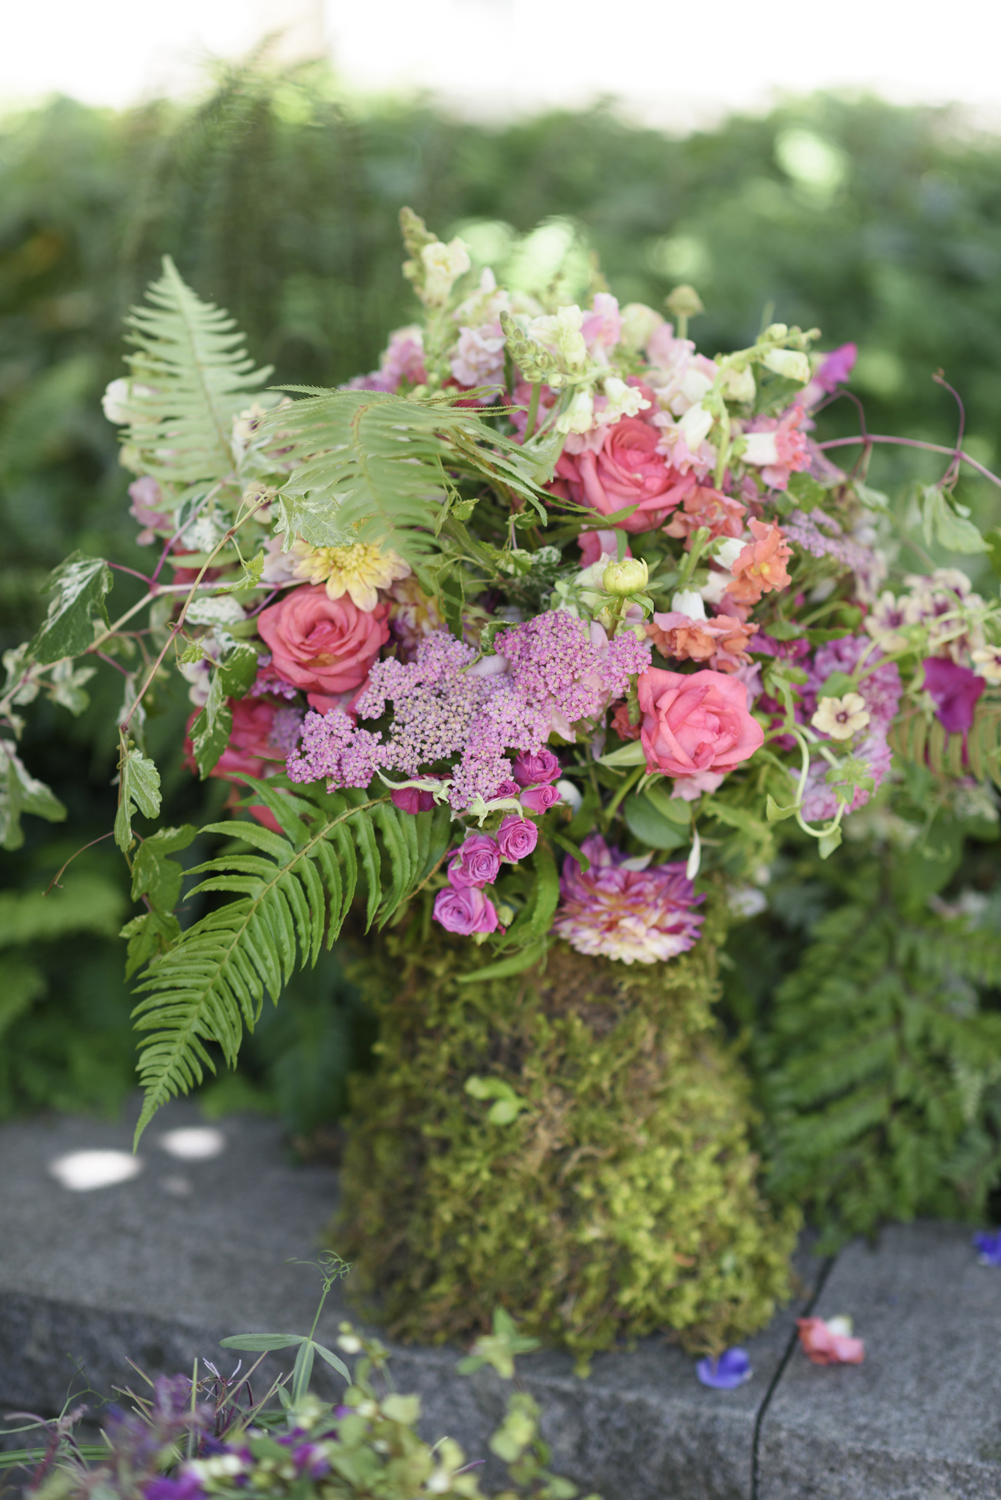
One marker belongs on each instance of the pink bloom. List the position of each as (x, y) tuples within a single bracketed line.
[(602, 327), (632, 915), (835, 370), (777, 447), (507, 789), (627, 470), (695, 723), (597, 544), (477, 862), (146, 499), (411, 799), (464, 910), (724, 641), (692, 787), (533, 768), (538, 799), (954, 692), (825, 1347), (761, 565), (704, 506), (516, 838), (323, 645), (479, 358)]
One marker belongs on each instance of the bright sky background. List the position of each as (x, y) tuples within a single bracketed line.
[(673, 65)]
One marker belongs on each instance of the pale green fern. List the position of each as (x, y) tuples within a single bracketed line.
[(289, 897), (190, 377)]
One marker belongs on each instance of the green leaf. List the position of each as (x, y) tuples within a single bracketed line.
[(67, 686), (259, 1343), (829, 842), (403, 1409), (836, 686), (574, 850), (21, 793), (993, 540), (191, 377), (237, 669), (77, 588), (154, 875), (674, 809), (536, 916), (776, 814), (86, 903), (632, 754), (148, 936), (943, 525), (23, 982), (139, 788), (650, 826), (333, 1360), (504, 967)]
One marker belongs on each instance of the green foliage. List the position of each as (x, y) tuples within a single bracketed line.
[(620, 1199), (20, 792), (290, 896), (78, 587), (919, 738), (139, 791), (190, 378)]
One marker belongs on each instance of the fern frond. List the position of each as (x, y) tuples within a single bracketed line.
[(920, 737), (373, 467), (289, 896), (190, 377)]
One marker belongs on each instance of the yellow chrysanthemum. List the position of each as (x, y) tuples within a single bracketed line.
[(359, 570)]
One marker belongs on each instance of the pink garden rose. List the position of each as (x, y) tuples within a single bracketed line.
[(695, 723), (516, 838), (539, 799), (322, 645), (597, 544), (625, 471), (476, 863), (536, 767), (464, 910)]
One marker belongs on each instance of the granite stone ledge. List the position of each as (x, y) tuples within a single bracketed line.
[(161, 1267), (921, 1418)]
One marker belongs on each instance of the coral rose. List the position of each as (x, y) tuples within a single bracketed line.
[(723, 640), (626, 470), (761, 565), (322, 645), (695, 723)]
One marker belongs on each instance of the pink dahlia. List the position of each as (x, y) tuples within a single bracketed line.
[(634, 915)]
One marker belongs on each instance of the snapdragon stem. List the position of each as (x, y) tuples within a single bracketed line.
[(626, 786), (533, 409)]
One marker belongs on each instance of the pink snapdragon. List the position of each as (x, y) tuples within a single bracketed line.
[(479, 356), (777, 446)]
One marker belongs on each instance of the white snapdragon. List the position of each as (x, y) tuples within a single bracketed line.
[(738, 385), (689, 602), (443, 265), (760, 449), (790, 363), (623, 400), (562, 331), (638, 325), (695, 426), (726, 551), (113, 402), (579, 415)]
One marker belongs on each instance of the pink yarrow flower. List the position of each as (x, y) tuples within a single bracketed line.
[(622, 912)]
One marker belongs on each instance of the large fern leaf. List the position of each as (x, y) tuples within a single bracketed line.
[(289, 896), (373, 467), (190, 376), (919, 736)]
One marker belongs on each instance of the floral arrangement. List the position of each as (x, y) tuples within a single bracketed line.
[(549, 596)]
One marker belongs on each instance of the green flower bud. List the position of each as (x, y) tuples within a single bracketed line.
[(627, 577)]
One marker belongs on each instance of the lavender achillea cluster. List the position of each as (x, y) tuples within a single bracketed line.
[(547, 674), (822, 536), (880, 690), (615, 910)]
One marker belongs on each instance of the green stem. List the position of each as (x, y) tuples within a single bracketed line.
[(626, 786), (533, 409)]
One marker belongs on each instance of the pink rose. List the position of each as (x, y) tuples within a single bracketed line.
[(596, 544), (695, 723), (506, 789), (476, 863), (825, 1346), (325, 646), (538, 799), (516, 838), (532, 768), (464, 910), (625, 471)]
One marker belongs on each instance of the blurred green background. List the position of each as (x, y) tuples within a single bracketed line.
[(278, 201)]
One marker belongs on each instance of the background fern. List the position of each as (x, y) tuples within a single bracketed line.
[(290, 897)]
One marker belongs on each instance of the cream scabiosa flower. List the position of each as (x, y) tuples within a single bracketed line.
[(359, 570), (841, 717)]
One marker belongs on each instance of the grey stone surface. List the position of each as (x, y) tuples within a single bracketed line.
[(160, 1267), (921, 1418)]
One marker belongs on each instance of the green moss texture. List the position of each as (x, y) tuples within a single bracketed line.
[(621, 1200)]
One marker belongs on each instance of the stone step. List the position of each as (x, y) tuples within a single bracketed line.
[(161, 1266)]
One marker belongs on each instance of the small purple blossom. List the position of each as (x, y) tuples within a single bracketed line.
[(516, 838), (725, 1373), (183, 1487), (334, 748), (954, 691), (538, 799), (988, 1242), (286, 727), (477, 862), (464, 910), (412, 799), (624, 910), (837, 367), (536, 769)]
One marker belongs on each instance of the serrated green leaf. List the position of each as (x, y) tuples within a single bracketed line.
[(139, 788), (148, 936), (154, 875), (943, 525), (77, 589), (21, 793)]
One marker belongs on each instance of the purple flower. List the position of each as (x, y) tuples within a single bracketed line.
[(516, 838), (954, 692), (624, 911), (988, 1242), (411, 799), (536, 769), (507, 789), (538, 799), (731, 1369), (464, 910), (476, 863), (184, 1487), (837, 367)]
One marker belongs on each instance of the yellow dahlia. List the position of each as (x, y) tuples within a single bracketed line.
[(358, 570)]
